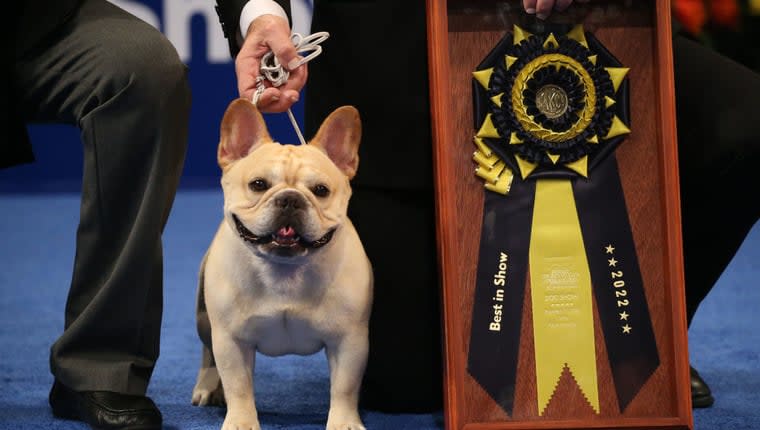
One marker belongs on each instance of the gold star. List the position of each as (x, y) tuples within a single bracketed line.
[(624, 315), (626, 329), (612, 262), (609, 249)]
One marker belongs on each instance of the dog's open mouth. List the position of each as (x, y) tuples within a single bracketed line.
[(284, 237)]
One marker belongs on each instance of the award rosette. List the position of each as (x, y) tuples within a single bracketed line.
[(550, 111)]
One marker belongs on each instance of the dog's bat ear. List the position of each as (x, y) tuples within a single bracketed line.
[(243, 128), (339, 136)]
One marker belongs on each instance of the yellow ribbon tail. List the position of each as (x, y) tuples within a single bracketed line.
[(563, 318)]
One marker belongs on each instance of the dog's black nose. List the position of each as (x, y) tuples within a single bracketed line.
[(290, 200)]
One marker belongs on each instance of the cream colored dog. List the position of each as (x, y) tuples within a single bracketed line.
[(286, 272)]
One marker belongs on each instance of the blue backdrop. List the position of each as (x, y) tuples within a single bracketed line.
[(193, 28)]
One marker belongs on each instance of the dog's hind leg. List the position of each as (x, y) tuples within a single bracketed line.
[(208, 386)]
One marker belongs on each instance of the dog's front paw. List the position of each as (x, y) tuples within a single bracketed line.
[(346, 426), (344, 421), (241, 421)]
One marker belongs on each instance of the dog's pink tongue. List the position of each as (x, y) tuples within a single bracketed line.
[(286, 236), (286, 232)]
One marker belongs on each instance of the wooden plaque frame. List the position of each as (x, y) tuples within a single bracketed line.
[(638, 33)]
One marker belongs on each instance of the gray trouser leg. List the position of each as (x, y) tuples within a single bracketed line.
[(122, 83)]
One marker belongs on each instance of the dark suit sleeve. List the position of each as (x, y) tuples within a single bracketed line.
[(229, 18)]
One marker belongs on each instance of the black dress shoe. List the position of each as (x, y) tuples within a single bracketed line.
[(105, 410), (701, 397)]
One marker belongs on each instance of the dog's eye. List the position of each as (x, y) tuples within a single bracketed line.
[(320, 190), (258, 185)]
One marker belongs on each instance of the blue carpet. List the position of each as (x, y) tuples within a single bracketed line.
[(37, 250)]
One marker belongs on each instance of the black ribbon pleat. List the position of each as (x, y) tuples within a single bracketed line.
[(492, 360), (618, 288)]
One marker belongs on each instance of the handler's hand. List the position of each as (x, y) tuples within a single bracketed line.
[(269, 33), (544, 8)]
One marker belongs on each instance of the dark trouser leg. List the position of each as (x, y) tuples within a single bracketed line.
[(719, 157), (123, 84), (404, 370)]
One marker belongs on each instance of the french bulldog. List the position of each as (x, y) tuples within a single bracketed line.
[(286, 272)]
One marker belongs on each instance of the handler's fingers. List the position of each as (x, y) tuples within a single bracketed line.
[(284, 50), (529, 6), (296, 80), (246, 76), (246, 69), (276, 99), (271, 100), (544, 8), (280, 99)]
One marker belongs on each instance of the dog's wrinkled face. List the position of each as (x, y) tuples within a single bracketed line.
[(286, 201)]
